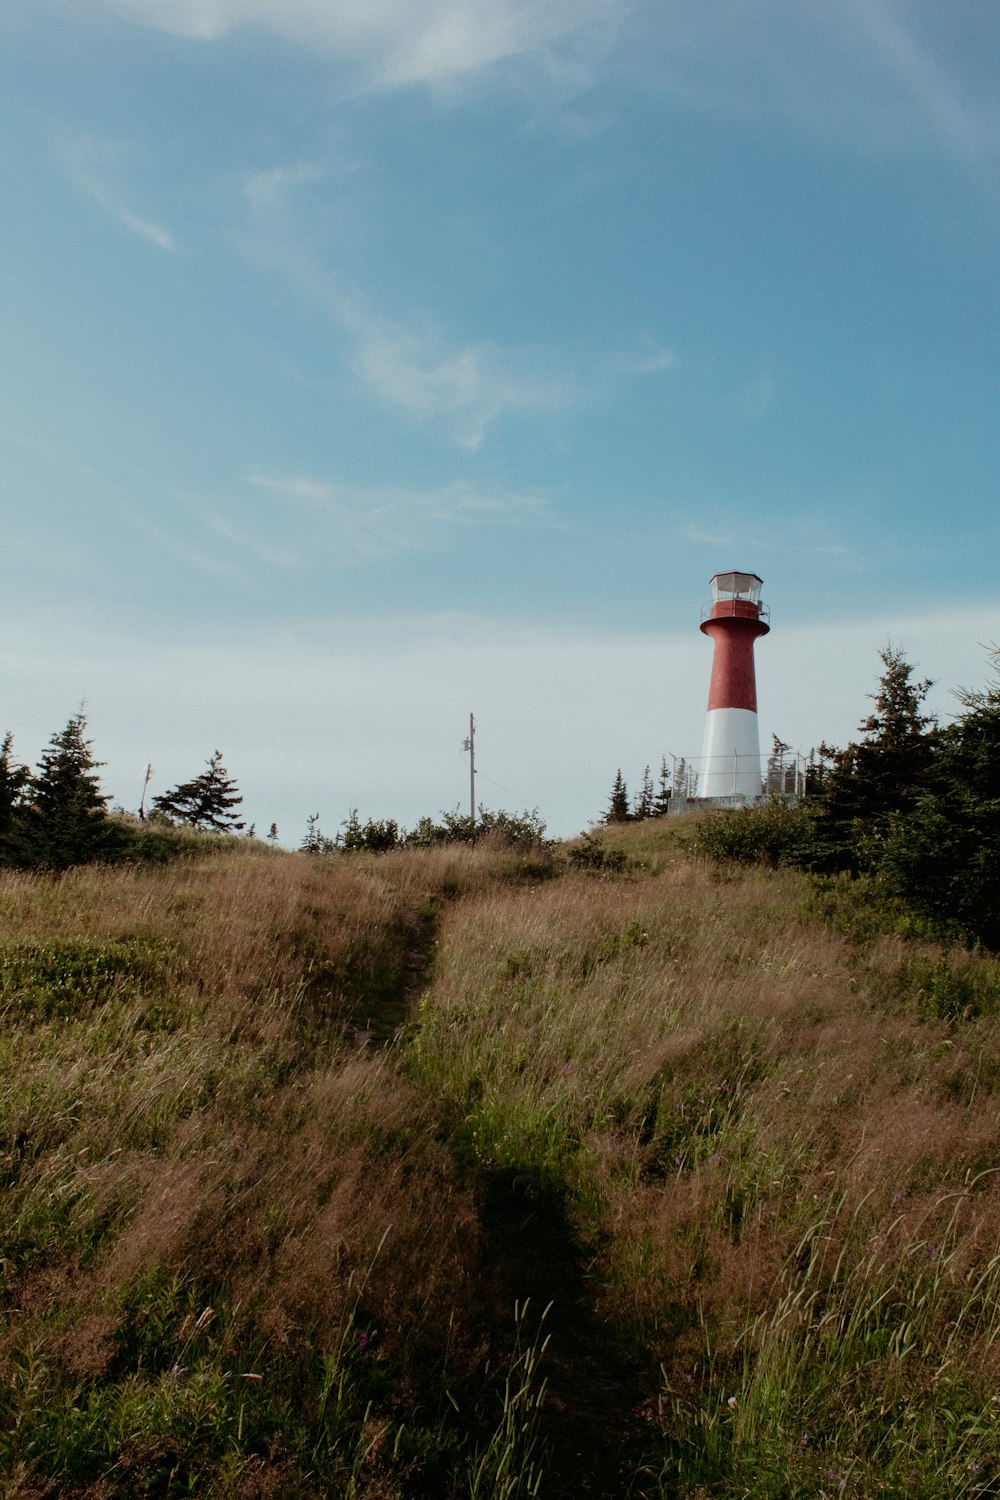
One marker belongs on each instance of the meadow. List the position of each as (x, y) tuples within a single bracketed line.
[(481, 1171)]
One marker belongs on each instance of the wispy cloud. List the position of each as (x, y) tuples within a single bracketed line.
[(394, 41), (97, 170), (461, 386), (857, 67), (785, 539), (363, 521), (872, 75), (756, 398), (940, 96), (467, 387), (648, 358)]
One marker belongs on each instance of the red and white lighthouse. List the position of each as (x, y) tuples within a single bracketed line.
[(734, 618)]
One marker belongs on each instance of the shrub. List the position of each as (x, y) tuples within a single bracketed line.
[(777, 834), (591, 854)]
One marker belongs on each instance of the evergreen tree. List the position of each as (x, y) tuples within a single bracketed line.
[(67, 822), (14, 783), (880, 776), (661, 802), (943, 854), (207, 802), (780, 771), (618, 810), (685, 780), (644, 800), (314, 841), (885, 771)]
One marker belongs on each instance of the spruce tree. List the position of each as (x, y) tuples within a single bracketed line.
[(779, 770), (14, 783), (208, 801), (644, 801), (67, 822), (661, 802), (885, 771), (943, 854), (683, 779), (618, 809)]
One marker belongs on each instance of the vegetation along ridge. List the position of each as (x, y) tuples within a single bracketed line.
[(660, 1164)]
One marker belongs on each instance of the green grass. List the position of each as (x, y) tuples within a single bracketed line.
[(736, 1138)]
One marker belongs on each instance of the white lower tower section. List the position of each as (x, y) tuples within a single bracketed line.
[(730, 758)]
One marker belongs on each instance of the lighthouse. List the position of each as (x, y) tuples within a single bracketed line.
[(734, 617)]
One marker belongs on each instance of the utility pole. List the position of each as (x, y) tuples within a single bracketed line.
[(470, 745), (145, 785)]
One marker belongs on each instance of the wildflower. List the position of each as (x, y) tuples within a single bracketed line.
[(804, 1440), (930, 1252), (731, 1403), (898, 1197)]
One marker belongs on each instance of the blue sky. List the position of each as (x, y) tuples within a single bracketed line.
[(365, 364)]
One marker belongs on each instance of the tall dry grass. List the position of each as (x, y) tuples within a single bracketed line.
[(227, 1225), (779, 1154), (745, 1142)]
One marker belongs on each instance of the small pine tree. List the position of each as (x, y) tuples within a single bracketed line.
[(618, 809), (15, 781), (780, 770), (68, 822), (272, 833), (682, 779), (661, 802), (644, 800), (315, 841), (208, 801)]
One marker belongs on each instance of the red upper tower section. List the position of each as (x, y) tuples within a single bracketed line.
[(734, 618)]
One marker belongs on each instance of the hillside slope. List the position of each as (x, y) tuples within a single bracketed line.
[(461, 1172)]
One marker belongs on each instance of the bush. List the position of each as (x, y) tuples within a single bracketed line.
[(459, 828), (776, 834), (591, 854)]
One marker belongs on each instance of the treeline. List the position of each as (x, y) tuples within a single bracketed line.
[(650, 801), (911, 804), (379, 836), (56, 815)]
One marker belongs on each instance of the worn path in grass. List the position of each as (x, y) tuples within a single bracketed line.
[(598, 1383)]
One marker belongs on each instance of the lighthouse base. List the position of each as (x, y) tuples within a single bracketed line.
[(730, 759)]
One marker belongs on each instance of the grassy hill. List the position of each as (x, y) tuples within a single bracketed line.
[(472, 1172)]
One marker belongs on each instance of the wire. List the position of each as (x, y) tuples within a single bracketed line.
[(525, 800)]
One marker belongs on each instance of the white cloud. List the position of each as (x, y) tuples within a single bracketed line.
[(365, 521), (466, 387), (941, 98), (785, 539), (463, 387), (872, 75), (870, 71), (394, 41), (649, 358), (96, 169), (268, 190)]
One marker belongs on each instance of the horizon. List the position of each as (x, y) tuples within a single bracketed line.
[(365, 368)]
